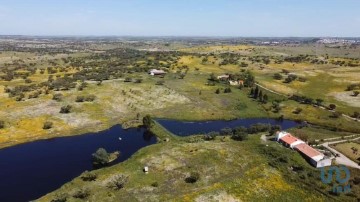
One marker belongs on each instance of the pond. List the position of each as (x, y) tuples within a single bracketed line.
[(31, 170)]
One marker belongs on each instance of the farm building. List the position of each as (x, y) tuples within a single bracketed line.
[(154, 72), (314, 157), (223, 77), (236, 83)]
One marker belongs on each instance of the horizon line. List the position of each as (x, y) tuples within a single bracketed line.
[(168, 36)]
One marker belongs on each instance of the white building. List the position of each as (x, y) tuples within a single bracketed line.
[(316, 158)]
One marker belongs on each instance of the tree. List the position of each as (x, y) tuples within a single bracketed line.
[(332, 106), (148, 122), (319, 101), (239, 134), (252, 92), (265, 99), (2, 124), (100, 157), (47, 125), (355, 115), (226, 131), (261, 96), (256, 92)]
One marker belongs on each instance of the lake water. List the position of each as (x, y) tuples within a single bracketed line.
[(31, 170), (188, 128)]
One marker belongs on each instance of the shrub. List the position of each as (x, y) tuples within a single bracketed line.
[(227, 90), (81, 193), (155, 184), (57, 97), (59, 198), (277, 76), (211, 136), (226, 131), (100, 157), (355, 93), (127, 79), (88, 176), (90, 98), (332, 106), (65, 109), (194, 177), (118, 182), (217, 91), (47, 125), (240, 136), (79, 98)]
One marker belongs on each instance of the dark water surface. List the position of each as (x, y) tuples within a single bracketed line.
[(189, 128), (31, 170)]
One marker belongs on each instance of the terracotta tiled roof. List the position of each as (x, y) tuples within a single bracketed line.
[(307, 150), (289, 139)]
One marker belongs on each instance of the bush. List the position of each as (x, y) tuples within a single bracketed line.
[(79, 98), (81, 193), (155, 184), (240, 136), (57, 97), (227, 90), (47, 125), (332, 106), (59, 198), (226, 131), (211, 136), (194, 177), (277, 76), (217, 91), (65, 109), (297, 111), (127, 79), (90, 98), (100, 157), (88, 176), (2, 124), (118, 182)]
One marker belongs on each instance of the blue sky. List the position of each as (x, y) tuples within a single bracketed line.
[(181, 17)]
